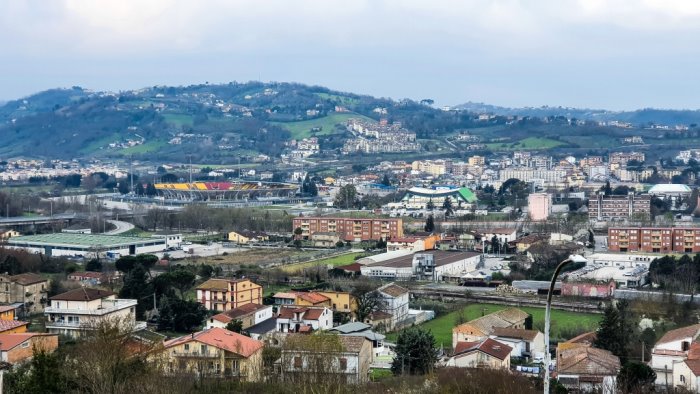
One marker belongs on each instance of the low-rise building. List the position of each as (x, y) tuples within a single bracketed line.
[(395, 303), (20, 348), (431, 265), (670, 351), (481, 328), (588, 369), (304, 359), (293, 319), (226, 294), (248, 314), (524, 343), (215, 352), (487, 353), (29, 289), (78, 311), (325, 239)]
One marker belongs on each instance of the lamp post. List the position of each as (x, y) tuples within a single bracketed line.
[(547, 356)]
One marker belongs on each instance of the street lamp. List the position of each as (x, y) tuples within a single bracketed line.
[(574, 258)]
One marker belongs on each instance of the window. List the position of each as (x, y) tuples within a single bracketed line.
[(343, 363), (204, 349), (25, 344), (187, 347), (297, 362)]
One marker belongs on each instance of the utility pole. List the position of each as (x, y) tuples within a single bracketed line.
[(131, 171)]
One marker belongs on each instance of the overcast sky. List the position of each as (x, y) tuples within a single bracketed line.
[(613, 54)]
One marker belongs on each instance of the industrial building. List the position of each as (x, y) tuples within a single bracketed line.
[(86, 245), (428, 265)]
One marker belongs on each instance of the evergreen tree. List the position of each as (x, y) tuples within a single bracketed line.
[(447, 206), (495, 244), (386, 181), (614, 330), (235, 325), (429, 224), (636, 377), (140, 191), (151, 190), (415, 352)]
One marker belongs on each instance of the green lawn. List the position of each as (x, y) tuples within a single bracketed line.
[(302, 129), (179, 119), (565, 325), (333, 261), (529, 143)]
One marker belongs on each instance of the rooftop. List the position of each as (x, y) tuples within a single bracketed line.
[(10, 341), (393, 290), (82, 294), (440, 257), (489, 346), (7, 325), (680, 333), (221, 339), (27, 278), (85, 240)]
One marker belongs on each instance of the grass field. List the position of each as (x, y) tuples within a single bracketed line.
[(150, 146), (179, 119), (529, 143), (564, 324), (333, 261), (302, 129), (342, 99)]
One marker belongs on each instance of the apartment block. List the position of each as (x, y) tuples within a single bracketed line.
[(350, 229), (654, 239), (539, 206), (226, 294), (601, 207)]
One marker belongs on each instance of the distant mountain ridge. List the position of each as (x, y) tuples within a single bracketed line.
[(638, 117)]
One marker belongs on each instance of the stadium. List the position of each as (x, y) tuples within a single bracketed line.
[(233, 191), (419, 197)]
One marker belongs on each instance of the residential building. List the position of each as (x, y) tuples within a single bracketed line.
[(304, 319), (303, 360), (524, 343), (248, 314), (670, 351), (350, 229), (13, 326), (215, 352), (487, 353), (476, 161), (6, 233), (244, 237), (29, 289), (75, 312), (340, 301), (481, 328), (606, 208), (624, 157), (504, 235), (284, 298), (539, 206), (19, 348), (325, 239), (654, 239), (687, 375), (395, 303), (588, 369), (364, 330), (226, 294), (87, 277)]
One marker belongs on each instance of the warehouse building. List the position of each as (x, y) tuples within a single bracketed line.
[(86, 245), (428, 265)]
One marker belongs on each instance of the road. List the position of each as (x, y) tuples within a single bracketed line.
[(121, 227)]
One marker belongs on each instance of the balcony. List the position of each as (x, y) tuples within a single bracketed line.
[(197, 354), (107, 308)]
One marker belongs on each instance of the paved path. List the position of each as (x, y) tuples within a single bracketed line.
[(121, 227)]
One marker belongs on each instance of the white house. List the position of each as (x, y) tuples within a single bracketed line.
[(670, 351), (687, 375), (588, 369), (395, 303), (504, 235), (304, 319), (248, 314), (74, 312), (525, 343)]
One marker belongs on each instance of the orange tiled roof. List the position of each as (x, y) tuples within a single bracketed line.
[(221, 339)]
